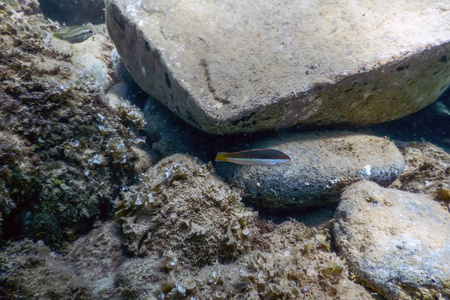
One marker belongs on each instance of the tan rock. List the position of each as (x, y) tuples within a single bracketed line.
[(96, 257), (395, 242), (239, 66)]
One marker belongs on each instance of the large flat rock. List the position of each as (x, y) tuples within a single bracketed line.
[(241, 66)]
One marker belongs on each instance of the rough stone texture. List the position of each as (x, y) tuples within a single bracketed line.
[(286, 261), (64, 154), (321, 165), (97, 257), (92, 58), (118, 98), (228, 66), (31, 271), (179, 206), (427, 171), (396, 242), (88, 270), (294, 262), (196, 239)]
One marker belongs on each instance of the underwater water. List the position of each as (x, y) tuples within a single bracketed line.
[(431, 124), (105, 193)]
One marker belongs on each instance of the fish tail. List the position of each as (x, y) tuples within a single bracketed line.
[(221, 156)]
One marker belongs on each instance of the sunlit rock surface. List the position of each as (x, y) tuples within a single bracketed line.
[(239, 66), (396, 242)]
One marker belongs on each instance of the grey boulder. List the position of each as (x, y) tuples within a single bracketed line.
[(322, 164), (396, 242), (244, 66)]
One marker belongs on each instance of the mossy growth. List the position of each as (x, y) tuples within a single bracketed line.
[(192, 238), (64, 154), (29, 270), (291, 262), (427, 171), (180, 206)]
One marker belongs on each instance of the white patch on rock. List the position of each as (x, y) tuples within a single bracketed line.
[(368, 169)]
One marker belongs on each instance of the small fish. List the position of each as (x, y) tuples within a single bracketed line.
[(74, 34), (256, 157)]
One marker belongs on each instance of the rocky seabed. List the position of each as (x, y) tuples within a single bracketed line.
[(106, 194)]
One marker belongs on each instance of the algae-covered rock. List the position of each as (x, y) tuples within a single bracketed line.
[(31, 271), (64, 152), (395, 242), (97, 257), (17, 174), (92, 57), (180, 206), (322, 164), (291, 261), (427, 170)]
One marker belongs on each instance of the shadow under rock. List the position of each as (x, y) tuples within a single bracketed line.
[(431, 124), (74, 12), (317, 217)]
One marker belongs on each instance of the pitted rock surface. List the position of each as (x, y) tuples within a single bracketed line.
[(396, 242), (322, 164), (239, 66)]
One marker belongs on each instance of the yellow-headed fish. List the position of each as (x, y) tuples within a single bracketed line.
[(256, 157)]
